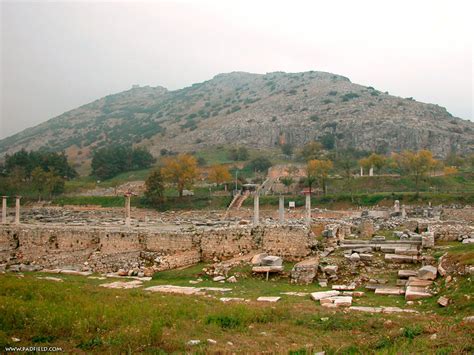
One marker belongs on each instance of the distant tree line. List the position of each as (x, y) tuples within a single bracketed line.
[(35, 173), (110, 161)]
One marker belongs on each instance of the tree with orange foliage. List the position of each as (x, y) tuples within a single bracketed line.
[(450, 170), (180, 171), (318, 170), (373, 161), (219, 174), (417, 164)]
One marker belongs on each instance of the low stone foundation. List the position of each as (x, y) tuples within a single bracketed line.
[(109, 249)]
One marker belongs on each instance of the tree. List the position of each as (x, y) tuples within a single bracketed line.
[(111, 161), (46, 182), (318, 170), (310, 151), (417, 164), (287, 181), (450, 170), (48, 161), (377, 161), (374, 160), (181, 171), (219, 174), (154, 187), (328, 141), (260, 164), (141, 159)]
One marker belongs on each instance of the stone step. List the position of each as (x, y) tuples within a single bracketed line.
[(324, 294), (415, 293), (389, 291), (415, 281), (401, 258)]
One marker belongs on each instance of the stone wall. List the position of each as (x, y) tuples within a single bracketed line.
[(109, 249), (450, 231), (459, 214)]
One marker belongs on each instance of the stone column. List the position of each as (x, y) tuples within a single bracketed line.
[(17, 209), (371, 171), (404, 212), (127, 210), (308, 208), (256, 209), (281, 210), (4, 209), (361, 171)]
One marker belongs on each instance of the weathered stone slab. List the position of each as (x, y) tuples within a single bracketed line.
[(344, 287), (389, 291), (414, 293), (415, 281), (397, 310), (216, 289), (262, 269), (382, 309), (50, 278), (272, 260), (406, 251), (123, 284), (342, 301), (428, 272), (268, 299), (231, 299), (336, 301), (299, 294), (396, 258), (324, 294), (182, 290), (366, 309)]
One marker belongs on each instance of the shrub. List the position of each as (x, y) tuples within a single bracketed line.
[(411, 332), (225, 322), (349, 96)]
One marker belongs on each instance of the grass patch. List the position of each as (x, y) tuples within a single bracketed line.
[(78, 315)]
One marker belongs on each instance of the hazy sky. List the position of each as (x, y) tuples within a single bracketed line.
[(56, 56)]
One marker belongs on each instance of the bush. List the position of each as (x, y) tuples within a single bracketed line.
[(225, 322), (411, 332), (349, 96), (260, 164)]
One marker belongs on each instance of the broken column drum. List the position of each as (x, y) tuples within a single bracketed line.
[(127, 210), (308, 208), (4, 209), (17, 210), (256, 209), (281, 209)]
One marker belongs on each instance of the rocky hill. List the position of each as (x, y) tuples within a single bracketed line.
[(256, 110)]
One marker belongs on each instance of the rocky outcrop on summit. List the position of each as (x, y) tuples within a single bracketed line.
[(260, 111)]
